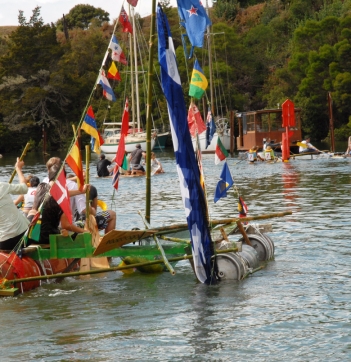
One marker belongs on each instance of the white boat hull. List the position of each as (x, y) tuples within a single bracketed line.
[(111, 145), (225, 139)]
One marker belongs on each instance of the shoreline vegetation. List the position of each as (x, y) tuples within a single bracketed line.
[(265, 52)]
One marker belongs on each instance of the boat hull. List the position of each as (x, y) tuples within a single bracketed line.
[(224, 137), (130, 145)]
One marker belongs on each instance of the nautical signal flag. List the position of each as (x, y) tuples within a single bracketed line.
[(220, 153), (195, 20), (115, 177), (106, 88), (126, 25), (242, 208), (113, 72), (224, 184), (60, 193), (89, 126), (195, 121), (210, 128), (74, 161), (117, 52), (198, 82), (193, 195)]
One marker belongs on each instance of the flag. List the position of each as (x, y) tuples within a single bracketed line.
[(133, 2), (198, 82), (242, 208), (107, 61), (35, 226), (60, 193), (220, 153), (117, 52), (224, 184), (195, 122), (113, 72), (74, 161), (107, 90), (210, 128), (115, 177), (121, 150), (89, 126), (126, 25), (188, 171), (195, 20), (125, 163)]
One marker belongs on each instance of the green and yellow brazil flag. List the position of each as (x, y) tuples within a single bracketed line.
[(198, 82)]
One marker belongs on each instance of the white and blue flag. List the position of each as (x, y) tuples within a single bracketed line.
[(188, 170)]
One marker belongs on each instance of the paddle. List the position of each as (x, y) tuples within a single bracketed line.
[(21, 159)]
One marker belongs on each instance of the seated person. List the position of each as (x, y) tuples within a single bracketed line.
[(253, 156), (309, 147), (269, 154), (13, 224), (156, 166), (102, 166), (135, 158), (28, 199)]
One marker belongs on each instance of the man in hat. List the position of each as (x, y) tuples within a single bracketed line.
[(135, 158), (102, 165), (308, 147)]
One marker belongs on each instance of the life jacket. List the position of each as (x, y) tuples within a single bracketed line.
[(252, 155), (269, 155)]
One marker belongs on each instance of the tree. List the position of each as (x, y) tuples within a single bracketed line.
[(83, 15)]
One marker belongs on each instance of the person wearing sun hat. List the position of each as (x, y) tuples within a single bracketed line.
[(308, 147)]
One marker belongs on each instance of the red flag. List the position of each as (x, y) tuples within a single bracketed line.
[(120, 150), (195, 122), (60, 193), (125, 119), (242, 208), (133, 2), (74, 161), (126, 25)]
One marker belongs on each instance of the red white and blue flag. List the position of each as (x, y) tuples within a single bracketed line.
[(117, 52), (115, 177), (106, 88)]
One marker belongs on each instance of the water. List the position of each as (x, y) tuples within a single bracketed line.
[(296, 309)]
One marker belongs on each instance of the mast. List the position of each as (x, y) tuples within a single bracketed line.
[(210, 61), (136, 72), (148, 113), (131, 36)]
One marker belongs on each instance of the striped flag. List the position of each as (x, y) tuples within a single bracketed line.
[(220, 153), (115, 177), (74, 161), (89, 126), (107, 90), (188, 170)]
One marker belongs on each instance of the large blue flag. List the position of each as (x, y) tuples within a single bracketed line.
[(194, 19), (224, 184), (188, 170)]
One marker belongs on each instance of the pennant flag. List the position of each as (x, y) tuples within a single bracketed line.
[(115, 177), (89, 126), (107, 90), (121, 150), (242, 208), (188, 170), (195, 20), (126, 25), (74, 161), (117, 52), (113, 72), (210, 128), (195, 122), (60, 193), (220, 153), (198, 82), (133, 2), (224, 184)]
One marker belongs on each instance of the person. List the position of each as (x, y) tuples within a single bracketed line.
[(253, 156), (28, 199), (101, 167), (309, 147), (269, 154), (135, 158), (13, 224), (156, 166), (348, 151)]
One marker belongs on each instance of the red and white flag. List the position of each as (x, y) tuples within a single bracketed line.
[(60, 193), (195, 122)]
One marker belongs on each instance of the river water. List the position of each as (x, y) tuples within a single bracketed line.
[(296, 309)]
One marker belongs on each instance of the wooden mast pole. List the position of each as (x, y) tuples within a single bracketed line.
[(136, 72), (210, 62), (331, 122), (131, 36), (148, 112)]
